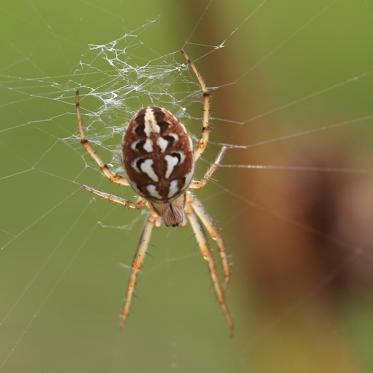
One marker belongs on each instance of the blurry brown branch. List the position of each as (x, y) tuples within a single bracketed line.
[(291, 258)]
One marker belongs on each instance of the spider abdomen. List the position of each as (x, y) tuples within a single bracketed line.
[(157, 155)]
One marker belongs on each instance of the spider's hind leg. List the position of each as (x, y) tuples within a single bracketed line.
[(214, 233), (137, 262), (207, 255)]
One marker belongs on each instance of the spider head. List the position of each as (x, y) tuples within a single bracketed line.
[(173, 216), (172, 213)]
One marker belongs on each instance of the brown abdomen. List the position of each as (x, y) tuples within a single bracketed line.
[(157, 155)]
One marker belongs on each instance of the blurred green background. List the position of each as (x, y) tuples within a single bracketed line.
[(62, 276)]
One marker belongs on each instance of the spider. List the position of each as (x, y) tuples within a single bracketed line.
[(159, 159)]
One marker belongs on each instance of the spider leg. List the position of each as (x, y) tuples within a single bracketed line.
[(214, 234), (114, 177), (137, 261), (197, 184), (203, 141), (206, 254), (113, 198)]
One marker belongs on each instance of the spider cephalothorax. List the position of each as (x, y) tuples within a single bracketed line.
[(159, 159)]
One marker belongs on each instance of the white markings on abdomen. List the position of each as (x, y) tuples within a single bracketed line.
[(162, 143), (188, 178), (134, 145), (147, 167), (171, 163), (174, 135), (148, 146), (142, 144), (173, 188), (173, 160), (153, 191), (150, 122)]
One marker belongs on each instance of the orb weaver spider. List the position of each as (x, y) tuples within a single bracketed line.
[(159, 160)]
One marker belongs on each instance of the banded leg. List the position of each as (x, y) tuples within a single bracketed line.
[(114, 177), (206, 253), (203, 141), (214, 234), (113, 198), (137, 261), (197, 184)]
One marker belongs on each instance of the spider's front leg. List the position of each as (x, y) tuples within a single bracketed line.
[(203, 141), (114, 177)]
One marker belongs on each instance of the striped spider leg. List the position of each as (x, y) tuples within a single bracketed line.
[(114, 177), (203, 141), (214, 233), (198, 217), (136, 265), (159, 160)]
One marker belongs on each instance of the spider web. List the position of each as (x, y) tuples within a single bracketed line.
[(115, 79)]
